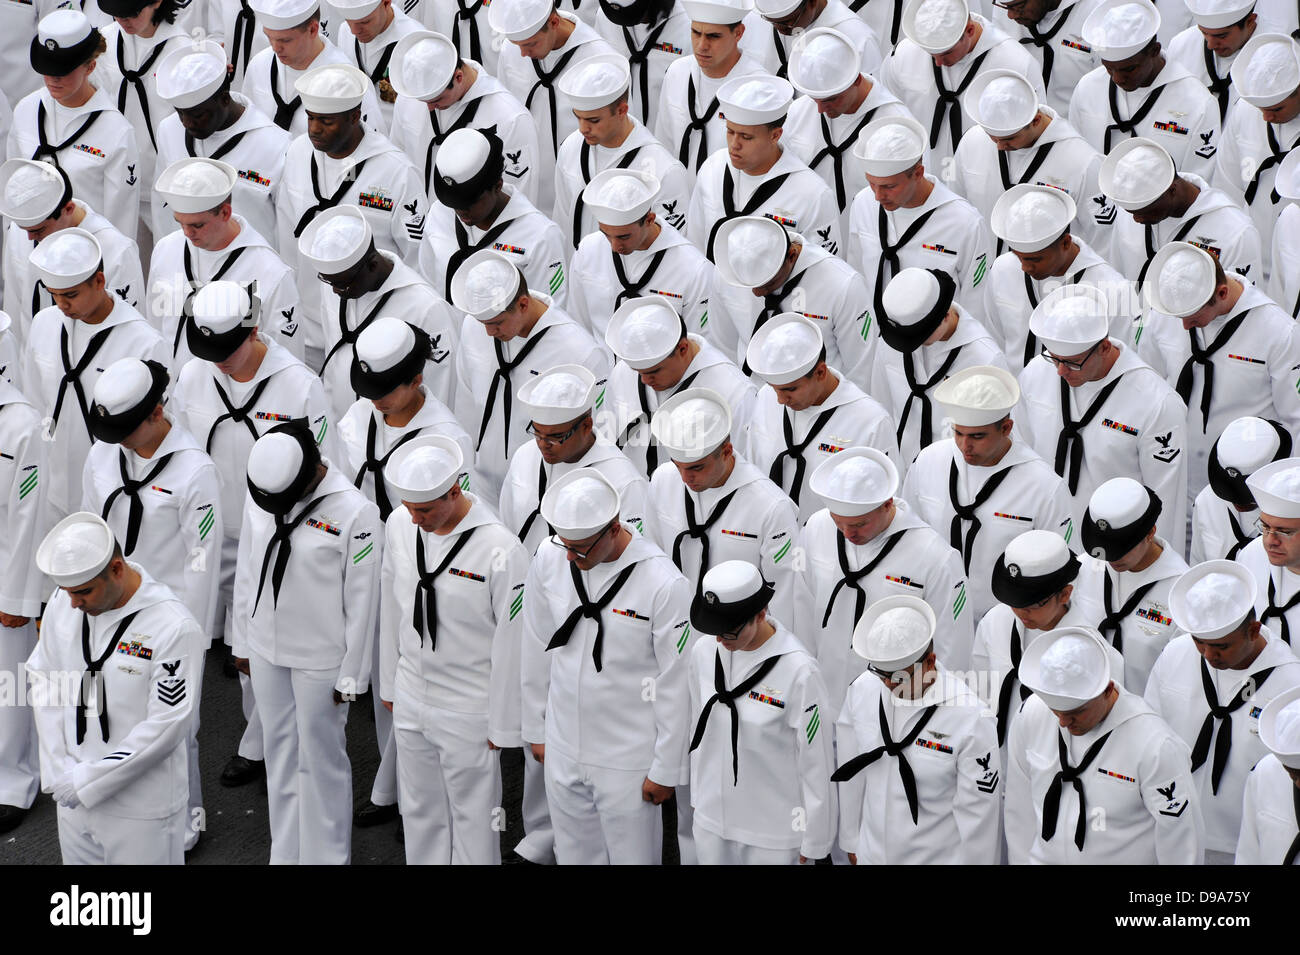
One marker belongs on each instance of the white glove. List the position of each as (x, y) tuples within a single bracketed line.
[(65, 793)]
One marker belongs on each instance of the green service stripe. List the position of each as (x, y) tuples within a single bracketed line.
[(979, 271), (1069, 526), (28, 483), (960, 603), (781, 553), (362, 554), (320, 436), (464, 481), (557, 279), (686, 635), (704, 320), (866, 327), (516, 604), (813, 725), (600, 398), (205, 525)]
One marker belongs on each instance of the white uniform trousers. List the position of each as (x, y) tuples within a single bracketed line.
[(195, 820), (95, 837), (384, 790), (688, 853), (308, 776), (449, 784), (599, 815), (538, 843), (715, 850), (19, 770), (250, 744)]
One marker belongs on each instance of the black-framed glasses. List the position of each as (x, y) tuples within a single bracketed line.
[(582, 554), (1013, 5), (552, 438), (894, 675), (1072, 365), (1279, 532)]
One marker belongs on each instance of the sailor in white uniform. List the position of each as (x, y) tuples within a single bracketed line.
[(1208, 48), (1284, 282), (866, 544), (1225, 512), (656, 357), (927, 337), (631, 254), (1274, 557), (449, 668), (609, 137), (236, 27), (986, 486), (1084, 744), (213, 122), (1137, 91), (808, 411), (757, 669), (359, 283), (37, 198), (920, 773), (784, 22), (1043, 254), (756, 175), (1095, 410), (465, 23), (1053, 35), (440, 91), (649, 35), (1222, 664), (906, 217), (1270, 821), (370, 31), (114, 761)]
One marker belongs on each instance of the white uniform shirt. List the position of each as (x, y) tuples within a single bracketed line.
[(604, 718), (330, 591), (1031, 497), (466, 26), (688, 121), (784, 757), (649, 50), (956, 765), (268, 94), (235, 26), (23, 478), (1219, 530), (470, 664), (372, 58), (1268, 815), (17, 27), (1176, 691), (1282, 582), (125, 334), (179, 538), (1284, 260), (1251, 152), (919, 564), (1140, 431), (852, 419), (253, 144), (1059, 32), (1189, 51), (773, 48)]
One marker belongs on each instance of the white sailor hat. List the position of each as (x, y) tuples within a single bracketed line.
[(1217, 14), (387, 354), (1119, 515), (221, 314), (281, 464), (755, 100), (124, 396), (692, 424), (192, 73), (580, 504), (64, 40), (644, 331), (1067, 668), (596, 81), (196, 185), (890, 145), (913, 306), (978, 395), (355, 9), (1071, 319), (1246, 445), (1135, 173), (1276, 487), (1001, 101), (336, 240), (1181, 279), (894, 632), (486, 284), (518, 20), (1287, 181), (559, 395), (1029, 217), (76, 550), (786, 348), (716, 11), (283, 14), (1212, 599), (330, 89), (776, 9), (67, 258), (1034, 565), (823, 63), (1118, 29), (423, 64), (731, 594), (1267, 69), (855, 481), (31, 192), (1279, 727), (935, 25), (750, 250), (620, 196), (470, 162), (424, 469)]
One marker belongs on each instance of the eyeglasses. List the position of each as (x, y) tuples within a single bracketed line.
[(553, 438), (1072, 365), (1279, 532), (893, 676), (1014, 5), (581, 554)]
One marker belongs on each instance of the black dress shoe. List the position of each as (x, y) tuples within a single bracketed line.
[(241, 772), (368, 814), (11, 817)]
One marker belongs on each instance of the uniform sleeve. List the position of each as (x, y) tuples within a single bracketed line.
[(697, 222), (851, 792), (534, 664), (361, 566), (978, 255), (988, 687), (1020, 816), (778, 556), (815, 758), (22, 586), (390, 616), (280, 315), (805, 618), (409, 213), (561, 212), (318, 420), (953, 611), (201, 532), (439, 323), (46, 694), (164, 727), (1201, 160), (722, 327), (127, 277), (1229, 172), (1244, 254), (523, 165), (1163, 453), (695, 303), (1173, 802), (122, 185), (245, 584), (978, 800), (1284, 367), (1248, 847), (826, 221), (508, 592), (855, 332), (634, 506), (670, 632), (578, 276), (550, 262), (672, 204)]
